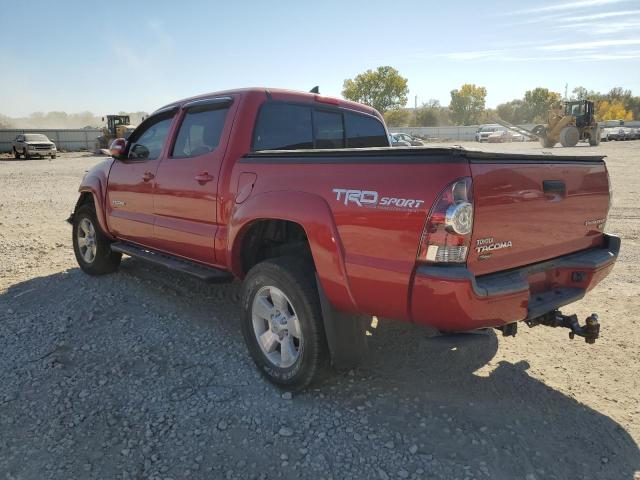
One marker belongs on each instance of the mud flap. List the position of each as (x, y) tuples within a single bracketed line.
[(346, 333)]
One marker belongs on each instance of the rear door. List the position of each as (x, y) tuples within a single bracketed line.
[(186, 188), (527, 210), (129, 203)]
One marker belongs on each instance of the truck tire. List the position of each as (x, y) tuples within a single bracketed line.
[(16, 155), (546, 142), (569, 136), (91, 247), (26, 154), (595, 137), (282, 322)]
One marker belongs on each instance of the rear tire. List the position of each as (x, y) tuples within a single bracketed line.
[(569, 136), (90, 245), (291, 354), (16, 155), (595, 137)]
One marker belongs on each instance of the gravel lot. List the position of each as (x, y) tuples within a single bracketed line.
[(144, 374)]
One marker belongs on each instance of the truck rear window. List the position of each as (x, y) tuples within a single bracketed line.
[(283, 126), (364, 131)]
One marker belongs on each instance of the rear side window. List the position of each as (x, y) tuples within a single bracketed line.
[(199, 133), (283, 127), (363, 131), (329, 131)]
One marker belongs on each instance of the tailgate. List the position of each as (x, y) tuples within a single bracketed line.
[(530, 210)]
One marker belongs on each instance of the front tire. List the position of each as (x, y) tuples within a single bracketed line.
[(546, 142), (569, 136), (26, 154), (282, 322), (91, 247)]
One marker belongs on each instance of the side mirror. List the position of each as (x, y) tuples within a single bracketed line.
[(118, 148)]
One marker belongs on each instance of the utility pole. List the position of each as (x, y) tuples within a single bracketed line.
[(566, 92), (415, 109)]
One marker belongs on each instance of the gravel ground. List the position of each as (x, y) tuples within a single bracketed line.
[(144, 374)]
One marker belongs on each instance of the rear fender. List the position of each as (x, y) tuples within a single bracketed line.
[(313, 214)]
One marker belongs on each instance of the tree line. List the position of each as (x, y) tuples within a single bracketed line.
[(386, 90)]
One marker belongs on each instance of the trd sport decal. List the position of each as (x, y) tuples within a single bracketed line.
[(371, 199)]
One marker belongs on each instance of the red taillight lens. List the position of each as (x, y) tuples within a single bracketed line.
[(447, 232)]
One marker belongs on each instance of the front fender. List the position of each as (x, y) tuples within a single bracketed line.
[(95, 183), (313, 214)]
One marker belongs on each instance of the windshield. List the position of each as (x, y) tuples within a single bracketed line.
[(35, 137)]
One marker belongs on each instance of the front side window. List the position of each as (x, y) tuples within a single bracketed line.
[(329, 132), (283, 127), (199, 133), (147, 144), (364, 131)]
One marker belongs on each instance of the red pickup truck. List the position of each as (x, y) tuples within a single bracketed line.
[(300, 196)]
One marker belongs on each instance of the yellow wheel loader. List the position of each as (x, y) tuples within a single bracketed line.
[(118, 126), (568, 125)]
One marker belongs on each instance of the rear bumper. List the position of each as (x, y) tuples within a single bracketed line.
[(451, 298)]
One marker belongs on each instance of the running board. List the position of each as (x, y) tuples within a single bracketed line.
[(203, 272)]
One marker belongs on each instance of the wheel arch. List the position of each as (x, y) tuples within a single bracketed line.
[(313, 216)]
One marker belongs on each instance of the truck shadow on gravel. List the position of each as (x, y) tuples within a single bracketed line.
[(143, 346)]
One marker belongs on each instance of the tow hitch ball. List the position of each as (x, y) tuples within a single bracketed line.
[(589, 331)]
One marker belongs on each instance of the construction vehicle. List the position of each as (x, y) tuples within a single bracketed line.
[(118, 126), (568, 125)]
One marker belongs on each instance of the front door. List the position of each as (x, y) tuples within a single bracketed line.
[(186, 188), (129, 203)]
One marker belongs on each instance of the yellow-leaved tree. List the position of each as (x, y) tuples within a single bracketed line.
[(612, 111)]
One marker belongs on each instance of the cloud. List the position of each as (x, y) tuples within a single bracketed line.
[(473, 55), (598, 28), (560, 7), (589, 45)]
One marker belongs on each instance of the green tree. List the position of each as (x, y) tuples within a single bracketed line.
[(383, 89), (515, 112), (398, 117), (539, 101), (467, 104), (580, 93)]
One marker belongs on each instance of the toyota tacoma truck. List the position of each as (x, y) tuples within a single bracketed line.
[(301, 198)]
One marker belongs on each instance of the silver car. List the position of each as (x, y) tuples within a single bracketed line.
[(31, 145)]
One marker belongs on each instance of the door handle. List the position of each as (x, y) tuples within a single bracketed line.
[(203, 177), (148, 176)]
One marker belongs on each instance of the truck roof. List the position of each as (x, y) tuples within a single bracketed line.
[(283, 95)]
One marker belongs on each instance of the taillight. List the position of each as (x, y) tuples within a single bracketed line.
[(447, 233)]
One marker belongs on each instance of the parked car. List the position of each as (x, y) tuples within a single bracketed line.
[(397, 142), (482, 134), (629, 133), (604, 134), (616, 133), (279, 189), (405, 137), (503, 136), (33, 145)]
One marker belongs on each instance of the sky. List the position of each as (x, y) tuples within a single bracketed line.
[(107, 57)]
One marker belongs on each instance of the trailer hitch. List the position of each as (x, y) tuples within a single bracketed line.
[(590, 331)]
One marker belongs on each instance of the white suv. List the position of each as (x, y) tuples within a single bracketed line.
[(33, 145)]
